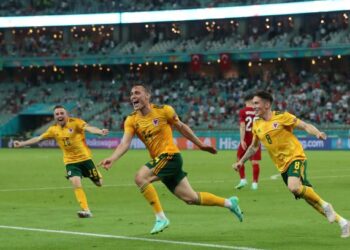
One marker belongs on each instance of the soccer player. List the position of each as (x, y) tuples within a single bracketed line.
[(69, 134), (153, 125), (275, 130), (246, 118)]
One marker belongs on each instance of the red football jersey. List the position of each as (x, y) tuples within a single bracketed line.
[(247, 116)]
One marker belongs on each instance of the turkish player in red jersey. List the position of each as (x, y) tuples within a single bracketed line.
[(246, 118)]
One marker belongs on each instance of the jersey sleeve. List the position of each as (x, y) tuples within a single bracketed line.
[(47, 134), (81, 124), (170, 114), (290, 120), (129, 125)]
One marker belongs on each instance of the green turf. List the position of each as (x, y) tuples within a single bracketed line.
[(35, 194)]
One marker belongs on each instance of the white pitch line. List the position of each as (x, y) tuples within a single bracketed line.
[(129, 238), (275, 176)]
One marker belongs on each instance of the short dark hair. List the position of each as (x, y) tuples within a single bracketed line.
[(264, 95), (58, 107), (145, 86), (248, 97)]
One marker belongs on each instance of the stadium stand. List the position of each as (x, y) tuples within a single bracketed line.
[(204, 99), (203, 102), (303, 31)]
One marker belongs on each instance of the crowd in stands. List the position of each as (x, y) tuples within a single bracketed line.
[(220, 35), (203, 102), (51, 7)]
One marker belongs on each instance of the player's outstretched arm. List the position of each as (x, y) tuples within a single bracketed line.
[(187, 132), (19, 144), (311, 129), (252, 149), (97, 131), (118, 152)]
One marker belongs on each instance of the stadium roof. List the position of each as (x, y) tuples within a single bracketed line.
[(177, 15)]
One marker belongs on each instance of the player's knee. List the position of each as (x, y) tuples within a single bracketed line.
[(294, 189), (139, 180), (190, 200), (75, 181)]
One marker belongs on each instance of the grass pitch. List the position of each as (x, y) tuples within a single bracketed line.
[(38, 208)]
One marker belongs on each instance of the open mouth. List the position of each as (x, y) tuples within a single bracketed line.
[(135, 103)]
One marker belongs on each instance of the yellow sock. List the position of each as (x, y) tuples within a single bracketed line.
[(150, 194), (317, 207), (316, 202), (310, 195), (208, 199), (81, 198)]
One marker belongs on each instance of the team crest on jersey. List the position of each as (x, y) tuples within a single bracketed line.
[(155, 122), (275, 125)]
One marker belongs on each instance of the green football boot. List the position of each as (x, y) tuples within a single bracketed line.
[(235, 209), (160, 226)]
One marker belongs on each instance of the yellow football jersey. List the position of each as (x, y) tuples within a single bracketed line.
[(71, 139), (154, 129), (278, 138)]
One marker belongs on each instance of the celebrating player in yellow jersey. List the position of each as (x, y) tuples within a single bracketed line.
[(153, 125), (69, 134), (275, 130)]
